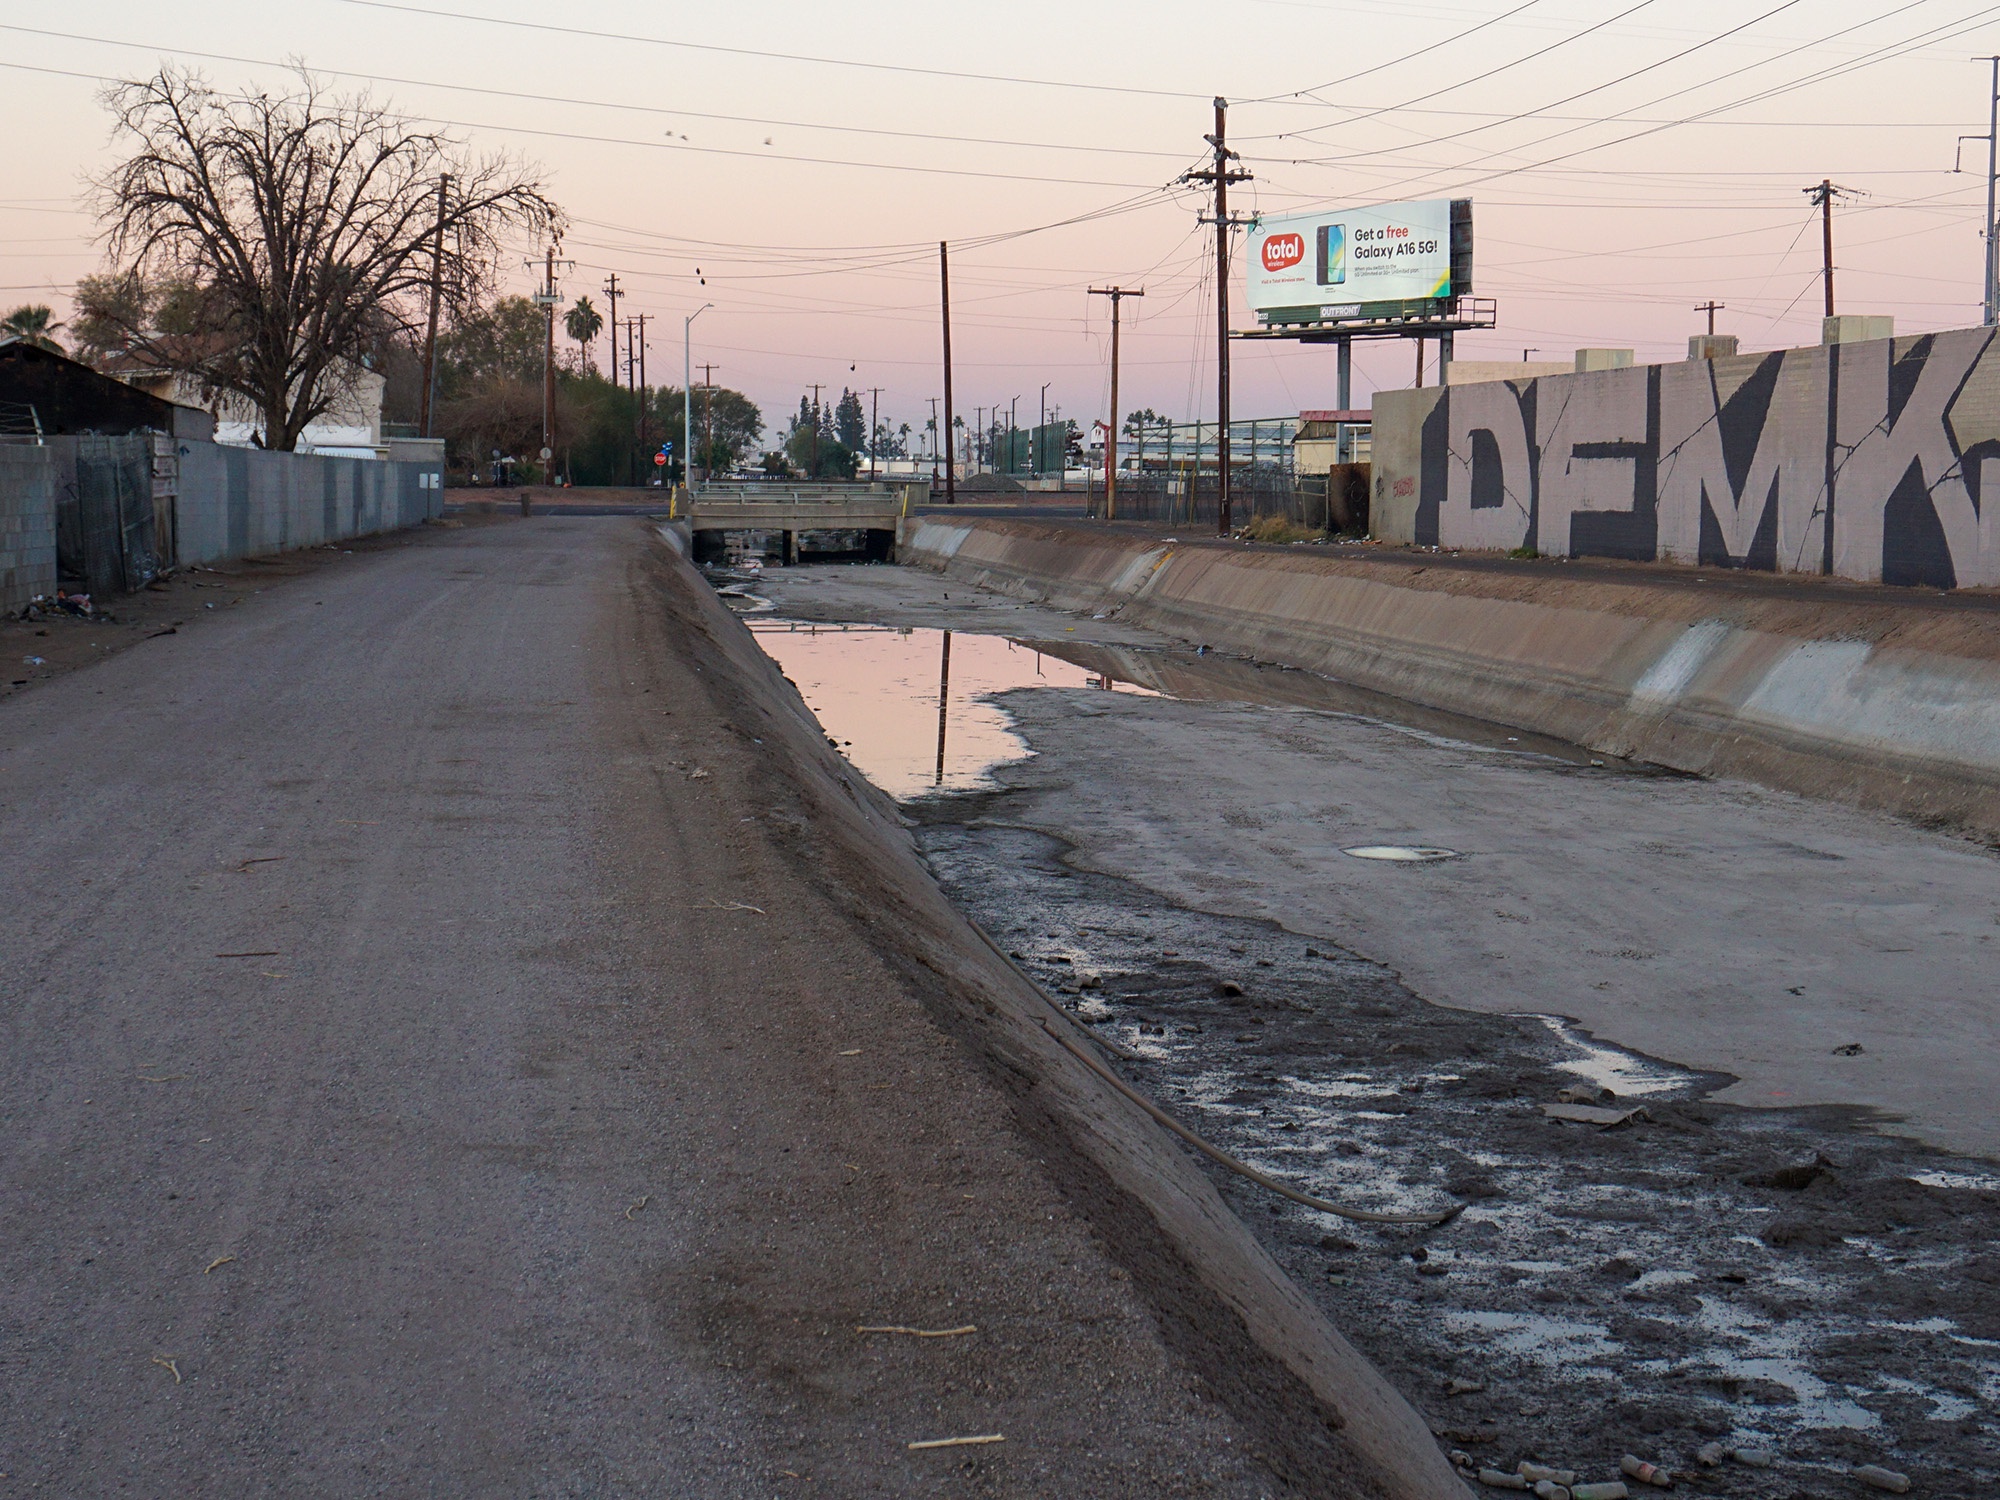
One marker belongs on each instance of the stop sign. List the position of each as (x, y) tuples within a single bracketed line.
[(660, 459)]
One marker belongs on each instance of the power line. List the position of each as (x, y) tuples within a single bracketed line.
[(769, 56), (649, 109)]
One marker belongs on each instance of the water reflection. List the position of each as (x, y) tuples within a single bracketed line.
[(908, 706)]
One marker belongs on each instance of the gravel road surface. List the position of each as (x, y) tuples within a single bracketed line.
[(427, 1071)]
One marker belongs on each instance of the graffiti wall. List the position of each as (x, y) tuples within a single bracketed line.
[(1868, 461)]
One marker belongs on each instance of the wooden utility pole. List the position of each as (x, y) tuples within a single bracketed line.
[(1117, 294), (815, 421), (944, 303), (636, 339), (1711, 307), (1221, 174), (1822, 194), (437, 296), (874, 424), (707, 414), (611, 317)]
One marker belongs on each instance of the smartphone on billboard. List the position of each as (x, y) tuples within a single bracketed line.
[(1332, 254)]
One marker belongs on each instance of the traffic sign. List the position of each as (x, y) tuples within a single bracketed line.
[(660, 459), (547, 454)]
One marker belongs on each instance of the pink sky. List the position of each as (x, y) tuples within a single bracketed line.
[(814, 211)]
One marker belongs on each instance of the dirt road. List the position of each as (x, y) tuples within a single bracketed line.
[(431, 1067)]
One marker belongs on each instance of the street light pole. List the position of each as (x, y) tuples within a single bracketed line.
[(1042, 425), (687, 398), (1012, 428)]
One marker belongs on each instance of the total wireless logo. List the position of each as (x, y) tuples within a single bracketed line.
[(1283, 251)]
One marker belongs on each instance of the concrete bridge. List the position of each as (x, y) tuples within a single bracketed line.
[(792, 511)]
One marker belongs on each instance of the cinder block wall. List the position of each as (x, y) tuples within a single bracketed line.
[(27, 524)]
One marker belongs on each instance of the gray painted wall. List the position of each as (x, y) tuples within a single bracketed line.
[(1876, 461), (27, 524)]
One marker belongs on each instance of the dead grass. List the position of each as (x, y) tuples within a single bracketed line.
[(1280, 529)]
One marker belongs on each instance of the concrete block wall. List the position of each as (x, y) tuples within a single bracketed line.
[(242, 502), (1877, 461), (27, 524)]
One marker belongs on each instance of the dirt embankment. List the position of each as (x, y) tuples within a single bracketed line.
[(1321, 1417)]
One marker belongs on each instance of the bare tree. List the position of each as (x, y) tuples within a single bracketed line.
[(305, 222)]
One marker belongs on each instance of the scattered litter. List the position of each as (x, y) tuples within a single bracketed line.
[(170, 1367), (1710, 1454), (1594, 1114), (1229, 987), (728, 906), (1609, 1489), (266, 859), (170, 630), (852, 1052), (697, 774), (1457, 1387), (1879, 1478), (170, 1078), (1548, 1489), (1409, 854), (220, 1260), (1535, 1473), (1585, 1093), (1646, 1473), (633, 1208), (34, 661), (1755, 1458), (256, 953), (1502, 1481), (1850, 1049), (919, 1333), (961, 1442)]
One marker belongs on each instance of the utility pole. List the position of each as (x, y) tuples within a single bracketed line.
[(1990, 293), (611, 317), (1822, 194), (638, 343), (874, 425), (978, 435), (1711, 307), (1117, 294), (547, 298), (944, 302), (1221, 174), (708, 410), (815, 422), (437, 296), (1013, 429), (934, 441)]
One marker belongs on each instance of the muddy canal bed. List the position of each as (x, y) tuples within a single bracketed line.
[(1790, 1282)]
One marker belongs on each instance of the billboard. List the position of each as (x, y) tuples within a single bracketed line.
[(1336, 262)]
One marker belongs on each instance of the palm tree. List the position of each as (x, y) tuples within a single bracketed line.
[(583, 324), (32, 324)]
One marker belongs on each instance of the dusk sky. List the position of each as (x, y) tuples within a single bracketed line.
[(1627, 160)]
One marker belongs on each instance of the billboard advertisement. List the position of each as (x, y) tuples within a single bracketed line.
[(1344, 259)]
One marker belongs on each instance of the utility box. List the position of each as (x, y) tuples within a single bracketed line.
[(1602, 359), (1711, 346), (1856, 328)]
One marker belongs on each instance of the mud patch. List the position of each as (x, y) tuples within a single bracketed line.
[(1703, 1273)]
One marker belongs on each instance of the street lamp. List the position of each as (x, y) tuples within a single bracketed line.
[(687, 397), (1045, 418)]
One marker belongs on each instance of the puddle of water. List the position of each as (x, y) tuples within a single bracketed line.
[(1977, 1182), (1405, 854), (1608, 1067), (909, 706), (1551, 1340)]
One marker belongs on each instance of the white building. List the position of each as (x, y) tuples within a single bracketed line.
[(350, 428)]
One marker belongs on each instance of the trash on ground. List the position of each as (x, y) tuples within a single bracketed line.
[(1548, 1489), (1755, 1458), (959, 1442), (1502, 1481), (1646, 1473), (919, 1333), (1594, 1114), (1535, 1473), (1710, 1454), (1877, 1477), (220, 1260), (1609, 1489)]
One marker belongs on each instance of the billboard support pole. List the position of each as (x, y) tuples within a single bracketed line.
[(1344, 388)]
